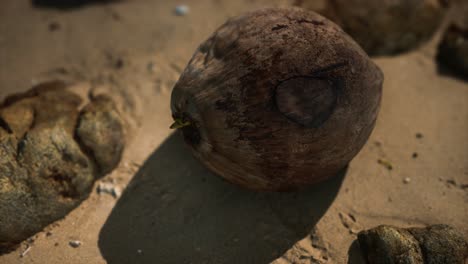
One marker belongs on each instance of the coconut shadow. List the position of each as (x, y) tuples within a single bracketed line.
[(175, 211), (67, 4)]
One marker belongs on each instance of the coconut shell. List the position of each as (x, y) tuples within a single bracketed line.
[(277, 99)]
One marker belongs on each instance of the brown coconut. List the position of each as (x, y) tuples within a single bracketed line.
[(277, 99)]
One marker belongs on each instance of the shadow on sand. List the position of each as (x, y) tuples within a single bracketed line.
[(176, 211), (67, 4)]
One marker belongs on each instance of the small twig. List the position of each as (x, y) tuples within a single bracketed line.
[(178, 123), (385, 163), (25, 251)]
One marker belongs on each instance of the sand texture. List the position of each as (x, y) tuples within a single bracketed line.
[(172, 209)]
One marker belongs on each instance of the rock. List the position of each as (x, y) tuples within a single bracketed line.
[(437, 244), (109, 188), (387, 27), (441, 244), (100, 131), (74, 243), (181, 10), (453, 50), (45, 171)]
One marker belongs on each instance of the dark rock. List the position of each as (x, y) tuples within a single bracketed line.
[(438, 244), (44, 171), (100, 130), (387, 27), (441, 244), (453, 50)]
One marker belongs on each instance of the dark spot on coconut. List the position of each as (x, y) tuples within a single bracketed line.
[(444, 3), (278, 27), (191, 135), (313, 22), (191, 131), (306, 101), (227, 105), (329, 68)]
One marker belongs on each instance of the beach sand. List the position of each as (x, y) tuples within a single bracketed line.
[(172, 209)]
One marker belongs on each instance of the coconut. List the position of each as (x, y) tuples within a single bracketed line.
[(277, 99)]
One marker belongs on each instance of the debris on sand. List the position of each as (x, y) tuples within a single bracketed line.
[(387, 164), (54, 26), (406, 180), (28, 248), (74, 243), (109, 188), (182, 10), (435, 244), (349, 222)]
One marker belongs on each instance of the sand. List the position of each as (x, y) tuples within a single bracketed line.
[(172, 209)]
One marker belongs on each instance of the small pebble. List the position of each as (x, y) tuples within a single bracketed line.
[(150, 66), (54, 26), (419, 135), (119, 63), (109, 188), (451, 182), (116, 192), (406, 180), (139, 251), (74, 243), (415, 155), (181, 10)]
